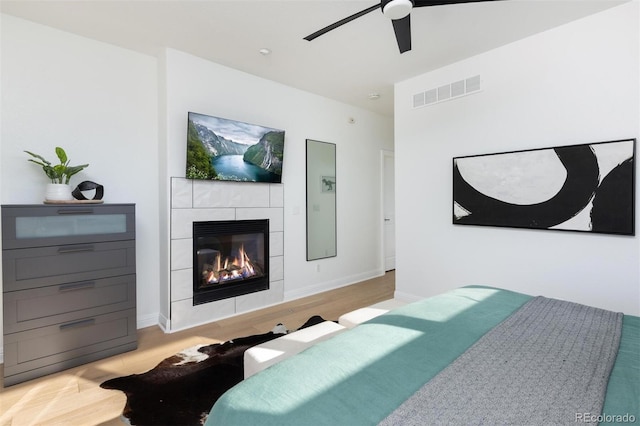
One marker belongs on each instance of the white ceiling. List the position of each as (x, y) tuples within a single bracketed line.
[(346, 64)]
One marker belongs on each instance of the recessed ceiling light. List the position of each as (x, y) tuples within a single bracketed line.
[(264, 51), (374, 96)]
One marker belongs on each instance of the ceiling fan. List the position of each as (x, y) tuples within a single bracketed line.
[(399, 13)]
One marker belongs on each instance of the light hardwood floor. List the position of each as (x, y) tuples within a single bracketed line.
[(74, 396)]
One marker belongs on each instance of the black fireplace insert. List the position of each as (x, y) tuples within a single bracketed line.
[(230, 258)]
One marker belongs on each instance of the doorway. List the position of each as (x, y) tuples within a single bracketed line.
[(388, 210)]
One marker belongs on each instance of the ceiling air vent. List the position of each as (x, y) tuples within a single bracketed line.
[(418, 100), (457, 88), (447, 92), (430, 96), (473, 84), (444, 92)]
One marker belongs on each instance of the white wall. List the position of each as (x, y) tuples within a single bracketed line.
[(99, 103), (194, 84), (574, 84), (125, 114)]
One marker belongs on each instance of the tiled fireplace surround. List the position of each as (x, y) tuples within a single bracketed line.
[(195, 201)]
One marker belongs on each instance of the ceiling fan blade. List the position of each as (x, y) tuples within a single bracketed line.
[(424, 3), (402, 28), (342, 22)]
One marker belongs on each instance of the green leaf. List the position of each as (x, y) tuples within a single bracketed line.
[(51, 174), (60, 173), (61, 155), (72, 170), (38, 157)]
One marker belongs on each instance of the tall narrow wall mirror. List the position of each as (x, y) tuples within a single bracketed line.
[(321, 200)]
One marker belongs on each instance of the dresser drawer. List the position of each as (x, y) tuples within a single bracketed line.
[(26, 226), (46, 266), (64, 345), (40, 307)]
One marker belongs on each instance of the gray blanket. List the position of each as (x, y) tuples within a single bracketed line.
[(548, 363)]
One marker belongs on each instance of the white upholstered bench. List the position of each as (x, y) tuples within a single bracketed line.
[(259, 357)]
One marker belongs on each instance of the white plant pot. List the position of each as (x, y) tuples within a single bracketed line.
[(58, 192)]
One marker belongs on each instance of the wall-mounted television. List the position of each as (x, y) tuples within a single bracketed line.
[(229, 150)]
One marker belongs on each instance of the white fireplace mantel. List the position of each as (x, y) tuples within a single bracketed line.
[(196, 201)]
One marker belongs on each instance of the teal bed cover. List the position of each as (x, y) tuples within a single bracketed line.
[(360, 376)]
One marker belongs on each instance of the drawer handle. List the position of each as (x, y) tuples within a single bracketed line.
[(85, 211), (77, 286), (78, 324), (75, 249)]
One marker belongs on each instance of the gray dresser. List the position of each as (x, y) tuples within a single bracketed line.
[(69, 286)]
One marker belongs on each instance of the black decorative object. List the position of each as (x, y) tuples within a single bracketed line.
[(87, 185), (587, 188)]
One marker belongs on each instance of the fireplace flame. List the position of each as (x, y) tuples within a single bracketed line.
[(232, 268)]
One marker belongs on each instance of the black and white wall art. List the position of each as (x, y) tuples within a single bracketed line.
[(587, 188)]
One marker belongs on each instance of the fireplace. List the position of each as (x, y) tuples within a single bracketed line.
[(230, 258)]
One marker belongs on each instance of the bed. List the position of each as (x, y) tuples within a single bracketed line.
[(365, 375)]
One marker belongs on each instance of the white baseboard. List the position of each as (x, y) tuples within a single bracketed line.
[(164, 323), (331, 285), (147, 320)]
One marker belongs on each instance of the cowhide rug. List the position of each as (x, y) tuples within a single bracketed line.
[(182, 389)]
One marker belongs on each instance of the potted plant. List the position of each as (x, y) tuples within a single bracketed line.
[(60, 174)]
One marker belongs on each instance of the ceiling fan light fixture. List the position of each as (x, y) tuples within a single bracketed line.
[(397, 9)]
